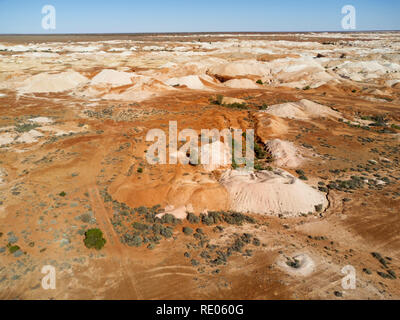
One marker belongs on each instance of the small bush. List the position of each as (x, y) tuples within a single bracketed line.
[(236, 105), (259, 81), (140, 226), (194, 262), (13, 249), (86, 217), (166, 232), (169, 219), (259, 151), (395, 126), (187, 230), (62, 194), (256, 242), (26, 127), (94, 239), (192, 218), (136, 241)]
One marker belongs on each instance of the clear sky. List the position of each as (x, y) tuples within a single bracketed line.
[(124, 16)]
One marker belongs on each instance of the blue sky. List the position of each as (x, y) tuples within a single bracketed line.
[(119, 16)]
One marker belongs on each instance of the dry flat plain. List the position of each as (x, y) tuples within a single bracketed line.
[(325, 194)]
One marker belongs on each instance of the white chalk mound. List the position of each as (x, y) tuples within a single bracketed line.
[(192, 82), (47, 82), (41, 120), (143, 88), (270, 192), (240, 68), (215, 155), (241, 84), (284, 153), (113, 77), (7, 138), (302, 110), (30, 136)]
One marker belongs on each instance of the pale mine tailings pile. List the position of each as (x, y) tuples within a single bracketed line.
[(192, 82), (112, 77), (270, 192), (241, 84), (242, 68), (284, 153), (143, 88), (302, 110), (46, 82), (215, 155)]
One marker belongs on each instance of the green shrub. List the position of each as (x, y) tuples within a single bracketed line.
[(187, 230), (192, 218), (259, 151), (140, 226), (13, 248), (259, 81), (62, 194), (94, 239), (26, 127), (258, 166), (256, 242), (169, 219), (136, 241), (166, 232), (236, 105), (194, 262), (237, 245), (395, 126)]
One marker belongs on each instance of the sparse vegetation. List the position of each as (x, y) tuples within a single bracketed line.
[(26, 127), (259, 151)]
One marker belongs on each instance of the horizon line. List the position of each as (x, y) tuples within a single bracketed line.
[(195, 32)]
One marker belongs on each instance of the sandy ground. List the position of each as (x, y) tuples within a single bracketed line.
[(73, 120)]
